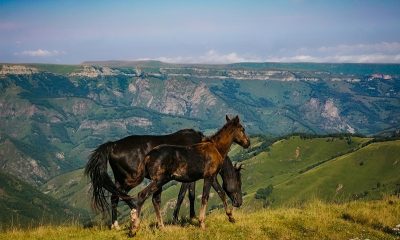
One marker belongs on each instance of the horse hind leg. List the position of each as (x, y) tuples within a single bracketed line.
[(192, 198), (153, 187), (156, 203), (114, 218), (181, 196), (131, 183)]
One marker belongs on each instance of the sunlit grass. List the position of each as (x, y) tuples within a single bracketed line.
[(313, 220)]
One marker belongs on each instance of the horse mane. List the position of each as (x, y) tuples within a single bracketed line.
[(224, 128), (190, 131)]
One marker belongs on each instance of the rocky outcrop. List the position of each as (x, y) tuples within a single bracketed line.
[(124, 123), (18, 164), (327, 115), (177, 97), (239, 74), (93, 72), (17, 70)]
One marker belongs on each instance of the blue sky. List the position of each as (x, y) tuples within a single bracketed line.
[(190, 31)]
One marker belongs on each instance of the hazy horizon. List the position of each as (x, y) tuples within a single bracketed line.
[(207, 32)]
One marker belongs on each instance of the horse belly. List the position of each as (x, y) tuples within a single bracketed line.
[(187, 176), (187, 171)]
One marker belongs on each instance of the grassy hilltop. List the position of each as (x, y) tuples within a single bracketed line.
[(315, 220)]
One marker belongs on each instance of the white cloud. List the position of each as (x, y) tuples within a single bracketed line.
[(363, 58), (40, 53), (383, 52), (211, 57), (382, 47)]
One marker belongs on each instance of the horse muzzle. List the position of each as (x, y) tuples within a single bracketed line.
[(246, 144), (237, 201)]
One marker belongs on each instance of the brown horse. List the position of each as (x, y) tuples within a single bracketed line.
[(188, 164)]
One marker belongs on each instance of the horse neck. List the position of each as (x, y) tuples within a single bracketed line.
[(226, 169), (223, 140)]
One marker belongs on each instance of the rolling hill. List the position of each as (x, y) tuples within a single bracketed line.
[(366, 173), (22, 205)]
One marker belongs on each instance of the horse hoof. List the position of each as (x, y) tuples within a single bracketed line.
[(115, 226), (132, 233), (133, 214), (202, 225), (160, 226)]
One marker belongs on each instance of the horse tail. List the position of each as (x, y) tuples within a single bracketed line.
[(96, 169)]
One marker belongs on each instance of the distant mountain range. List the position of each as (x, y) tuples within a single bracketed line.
[(52, 116)]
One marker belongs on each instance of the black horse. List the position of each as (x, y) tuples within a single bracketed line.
[(125, 157), (187, 164), (231, 184)]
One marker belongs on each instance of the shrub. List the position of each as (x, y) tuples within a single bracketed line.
[(264, 193)]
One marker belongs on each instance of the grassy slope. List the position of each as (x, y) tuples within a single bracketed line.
[(20, 203), (280, 163), (369, 171), (280, 167), (72, 188), (316, 220)]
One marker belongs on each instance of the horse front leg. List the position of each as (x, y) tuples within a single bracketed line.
[(217, 187), (204, 201), (181, 196)]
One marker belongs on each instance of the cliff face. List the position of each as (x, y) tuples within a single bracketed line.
[(174, 97), (51, 118)]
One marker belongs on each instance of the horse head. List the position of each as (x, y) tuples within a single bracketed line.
[(232, 182), (239, 135)]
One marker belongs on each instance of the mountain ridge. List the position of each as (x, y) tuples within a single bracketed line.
[(65, 111)]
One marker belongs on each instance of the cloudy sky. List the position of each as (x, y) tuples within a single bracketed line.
[(204, 31)]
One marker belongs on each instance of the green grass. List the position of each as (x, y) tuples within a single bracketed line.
[(313, 220), (365, 173), (281, 163)]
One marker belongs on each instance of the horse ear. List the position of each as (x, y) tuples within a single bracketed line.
[(238, 167), (236, 119), (227, 118)]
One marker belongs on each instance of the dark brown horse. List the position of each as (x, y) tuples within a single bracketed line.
[(188, 164), (126, 159)]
